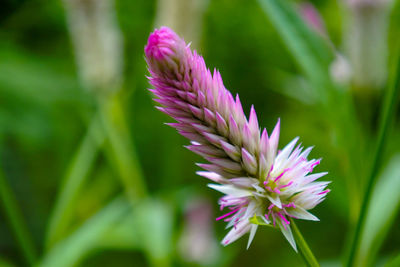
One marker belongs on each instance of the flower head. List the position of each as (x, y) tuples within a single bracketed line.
[(262, 186)]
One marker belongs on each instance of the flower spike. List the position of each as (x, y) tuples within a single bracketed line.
[(260, 185)]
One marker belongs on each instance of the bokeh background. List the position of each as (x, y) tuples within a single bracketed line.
[(91, 176)]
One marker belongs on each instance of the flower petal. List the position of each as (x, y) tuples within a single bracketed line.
[(275, 200), (230, 190), (287, 233), (213, 177), (253, 231), (300, 213), (235, 233)]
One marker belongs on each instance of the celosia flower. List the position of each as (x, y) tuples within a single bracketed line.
[(261, 185)]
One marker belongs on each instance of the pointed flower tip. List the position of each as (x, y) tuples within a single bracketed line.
[(225, 242), (278, 124), (253, 118), (160, 44), (277, 128), (264, 133), (237, 98)]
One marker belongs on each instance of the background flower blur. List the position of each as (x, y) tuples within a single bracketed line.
[(89, 176)]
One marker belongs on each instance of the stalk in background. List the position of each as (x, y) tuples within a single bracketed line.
[(97, 43), (185, 16), (388, 111), (365, 39)]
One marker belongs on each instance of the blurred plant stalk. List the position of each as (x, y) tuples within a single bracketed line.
[(366, 42), (98, 46), (71, 250), (387, 115), (120, 150), (346, 125), (97, 43), (366, 38), (184, 16)]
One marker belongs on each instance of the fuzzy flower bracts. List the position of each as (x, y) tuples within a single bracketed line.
[(261, 186)]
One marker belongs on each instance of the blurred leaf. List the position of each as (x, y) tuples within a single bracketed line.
[(72, 249), (311, 53), (16, 220), (156, 225), (36, 79), (124, 235), (395, 262), (384, 205), (298, 88), (5, 263), (75, 177), (331, 263), (149, 228), (32, 90), (374, 193)]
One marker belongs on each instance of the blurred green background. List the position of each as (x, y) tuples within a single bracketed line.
[(93, 160)]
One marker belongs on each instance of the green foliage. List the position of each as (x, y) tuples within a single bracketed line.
[(393, 262), (311, 53), (16, 220), (74, 180), (382, 211), (71, 250)]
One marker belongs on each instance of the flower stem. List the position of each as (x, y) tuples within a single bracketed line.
[(387, 114), (16, 220), (304, 249)]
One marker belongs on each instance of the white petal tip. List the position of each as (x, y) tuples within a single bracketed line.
[(253, 231)]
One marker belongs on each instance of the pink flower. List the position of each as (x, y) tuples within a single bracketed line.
[(261, 185)]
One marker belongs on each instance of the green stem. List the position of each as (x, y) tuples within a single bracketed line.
[(16, 220), (387, 114), (121, 150), (304, 249), (76, 175), (349, 138)]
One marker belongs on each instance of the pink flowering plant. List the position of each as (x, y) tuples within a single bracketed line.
[(261, 184), (86, 170)]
